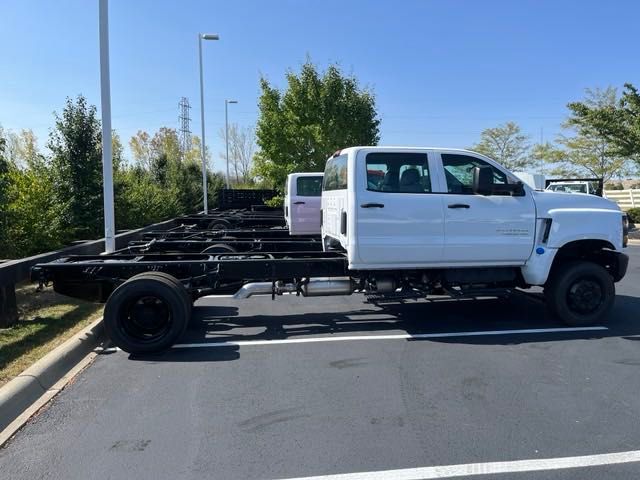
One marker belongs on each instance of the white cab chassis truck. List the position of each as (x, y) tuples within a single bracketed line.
[(434, 220), (302, 203), (397, 222)]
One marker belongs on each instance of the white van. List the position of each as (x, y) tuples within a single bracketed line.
[(302, 198)]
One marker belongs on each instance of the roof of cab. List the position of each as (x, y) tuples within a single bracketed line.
[(305, 174), (398, 147)]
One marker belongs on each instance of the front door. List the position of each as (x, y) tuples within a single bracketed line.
[(484, 229), (399, 221)]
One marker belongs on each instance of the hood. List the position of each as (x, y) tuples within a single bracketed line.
[(547, 201)]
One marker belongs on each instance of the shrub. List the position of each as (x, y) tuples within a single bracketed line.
[(275, 202), (634, 215)]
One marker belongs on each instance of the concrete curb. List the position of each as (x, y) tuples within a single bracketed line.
[(45, 378)]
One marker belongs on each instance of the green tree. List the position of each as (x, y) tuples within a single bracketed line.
[(507, 145), (317, 114), (4, 196), (76, 147), (117, 151), (22, 149), (618, 122), (36, 214), (160, 158), (584, 150)]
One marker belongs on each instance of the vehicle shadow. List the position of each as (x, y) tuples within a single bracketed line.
[(216, 324)]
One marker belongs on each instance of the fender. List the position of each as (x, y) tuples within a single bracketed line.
[(571, 224)]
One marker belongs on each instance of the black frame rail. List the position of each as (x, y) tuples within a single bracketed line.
[(234, 245), (94, 277)]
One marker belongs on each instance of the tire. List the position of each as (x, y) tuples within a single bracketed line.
[(219, 224), (219, 248), (580, 293), (147, 313), (187, 296)]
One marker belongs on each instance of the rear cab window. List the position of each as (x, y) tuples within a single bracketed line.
[(398, 172), (335, 173), (309, 186)]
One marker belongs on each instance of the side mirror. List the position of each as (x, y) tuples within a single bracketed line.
[(483, 180)]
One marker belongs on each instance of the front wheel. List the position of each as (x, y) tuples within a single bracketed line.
[(580, 293)]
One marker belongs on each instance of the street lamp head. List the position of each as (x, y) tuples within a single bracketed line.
[(231, 101), (210, 36)]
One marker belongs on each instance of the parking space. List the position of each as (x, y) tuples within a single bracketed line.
[(307, 387)]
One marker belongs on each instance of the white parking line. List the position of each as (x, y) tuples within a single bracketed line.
[(398, 336), (472, 469)]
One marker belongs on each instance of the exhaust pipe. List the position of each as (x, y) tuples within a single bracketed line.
[(257, 288), (315, 287)]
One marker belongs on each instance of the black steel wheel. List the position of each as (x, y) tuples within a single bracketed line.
[(219, 224), (179, 285), (219, 248), (580, 293), (146, 314)]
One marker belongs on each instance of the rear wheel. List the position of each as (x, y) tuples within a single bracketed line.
[(179, 285), (147, 313), (219, 224), (219, 248), (580, 293)]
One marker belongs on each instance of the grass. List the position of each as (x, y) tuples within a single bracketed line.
[(46, 320)]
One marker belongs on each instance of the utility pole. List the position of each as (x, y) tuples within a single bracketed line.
[(205, 200), (184, 119), (105, 107)]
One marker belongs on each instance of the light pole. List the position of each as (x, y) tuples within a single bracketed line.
[(105, 107), (203, 36), (226, 132)]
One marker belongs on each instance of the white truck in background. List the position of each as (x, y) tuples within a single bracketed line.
[(577, 186), (302, 203)]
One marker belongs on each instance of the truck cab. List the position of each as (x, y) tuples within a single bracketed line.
[(302, 203)]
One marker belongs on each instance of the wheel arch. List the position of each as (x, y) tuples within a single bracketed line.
[(601, 252)]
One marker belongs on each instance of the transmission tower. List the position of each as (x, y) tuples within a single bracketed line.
[(185, 125)]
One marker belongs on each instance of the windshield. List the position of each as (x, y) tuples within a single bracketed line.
[(569, 187)]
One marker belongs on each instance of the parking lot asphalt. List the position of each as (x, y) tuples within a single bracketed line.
[(409, 388)]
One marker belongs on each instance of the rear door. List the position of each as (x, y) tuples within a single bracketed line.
[(483, 229), (399, 220), (304, 215)]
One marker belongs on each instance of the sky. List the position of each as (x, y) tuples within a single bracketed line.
[(441, 70)]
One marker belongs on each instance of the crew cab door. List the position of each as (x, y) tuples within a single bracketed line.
[(483, 229), (304, 204), (399, 221)]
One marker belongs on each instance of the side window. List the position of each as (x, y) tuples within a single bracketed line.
[(398, 172), (309, 186), (335, 174), (458, 170)]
